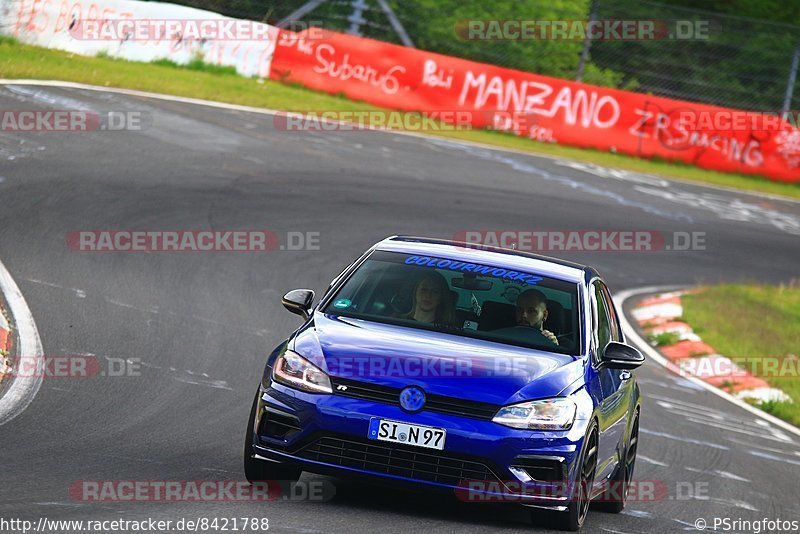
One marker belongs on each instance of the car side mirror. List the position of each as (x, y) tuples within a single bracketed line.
[(299, 301), (621, 356)]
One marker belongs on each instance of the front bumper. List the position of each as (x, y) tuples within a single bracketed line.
[(482, 461)]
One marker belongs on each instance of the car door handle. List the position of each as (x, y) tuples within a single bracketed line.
[(624, 375)]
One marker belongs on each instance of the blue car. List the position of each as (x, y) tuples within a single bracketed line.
[(493, 374)]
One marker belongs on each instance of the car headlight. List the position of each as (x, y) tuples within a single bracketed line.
[(550, 414), (293, 370)]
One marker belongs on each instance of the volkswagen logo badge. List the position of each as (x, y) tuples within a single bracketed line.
[(412, 399)]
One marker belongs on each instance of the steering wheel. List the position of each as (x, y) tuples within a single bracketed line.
[(524, 333), (400, 303)]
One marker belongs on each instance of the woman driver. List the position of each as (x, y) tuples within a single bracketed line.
[(432, 301)]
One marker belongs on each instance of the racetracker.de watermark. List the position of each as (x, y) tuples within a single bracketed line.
[(741, 367), (641, 491), (72, 120), (74, 366), (731, 120), (360, 120), (200, 491), (584, 240), (191, 240), (360, 367), (169, 30), (582, 30), (413, 121), (157, 30), (149, 525)]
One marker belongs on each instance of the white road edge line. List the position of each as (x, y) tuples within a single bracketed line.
[(267, 111), (630, 333), (23, 388)]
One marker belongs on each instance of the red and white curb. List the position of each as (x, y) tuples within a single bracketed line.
[(22, 389), (690, 356), (5, 345), (632, 336)]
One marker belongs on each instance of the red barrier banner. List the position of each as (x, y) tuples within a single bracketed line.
[(542, 108)]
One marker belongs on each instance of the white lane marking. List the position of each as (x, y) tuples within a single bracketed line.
[(14, 147), (687, 405), (765, 448), (726, 502), (695, 413), (217, 470), (676, 382), (418, 135), (50, 98), (129, 306), (653, 354), (216, 384), (718, 473), (616, 174), (572, 183), (64, 504), (23, 389), (636, 513), (777, 436), (80, 293), (729, 209), (689, 526), (684, 440), (648, 460), (675, 405), (699, 414), (773, 457), (205, 381)]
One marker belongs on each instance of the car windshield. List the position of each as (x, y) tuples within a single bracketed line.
[(461, 298)]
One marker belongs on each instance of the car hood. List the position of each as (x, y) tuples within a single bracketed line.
[(441, 364)]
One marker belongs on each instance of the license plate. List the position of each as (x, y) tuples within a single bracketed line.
[(397, 432)]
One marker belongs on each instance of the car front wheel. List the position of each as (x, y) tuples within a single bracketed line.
[(573, 518)]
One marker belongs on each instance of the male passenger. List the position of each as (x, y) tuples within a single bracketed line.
[(532, 311)]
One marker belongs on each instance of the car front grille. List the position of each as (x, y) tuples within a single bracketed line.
[(399, 460), (433, 403)]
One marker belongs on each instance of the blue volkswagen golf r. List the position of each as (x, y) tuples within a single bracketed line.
[(498, 375)]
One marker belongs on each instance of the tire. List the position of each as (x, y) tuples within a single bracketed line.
[(613, 500), (262, 470), (577, 510)]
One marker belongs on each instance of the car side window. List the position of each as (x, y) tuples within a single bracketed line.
[(616, 332), (602, 321)]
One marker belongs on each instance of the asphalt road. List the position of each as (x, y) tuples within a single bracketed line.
[(201, 323)]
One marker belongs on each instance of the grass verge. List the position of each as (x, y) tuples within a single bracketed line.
[(758, 322), (211, 82), (664, 339)]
